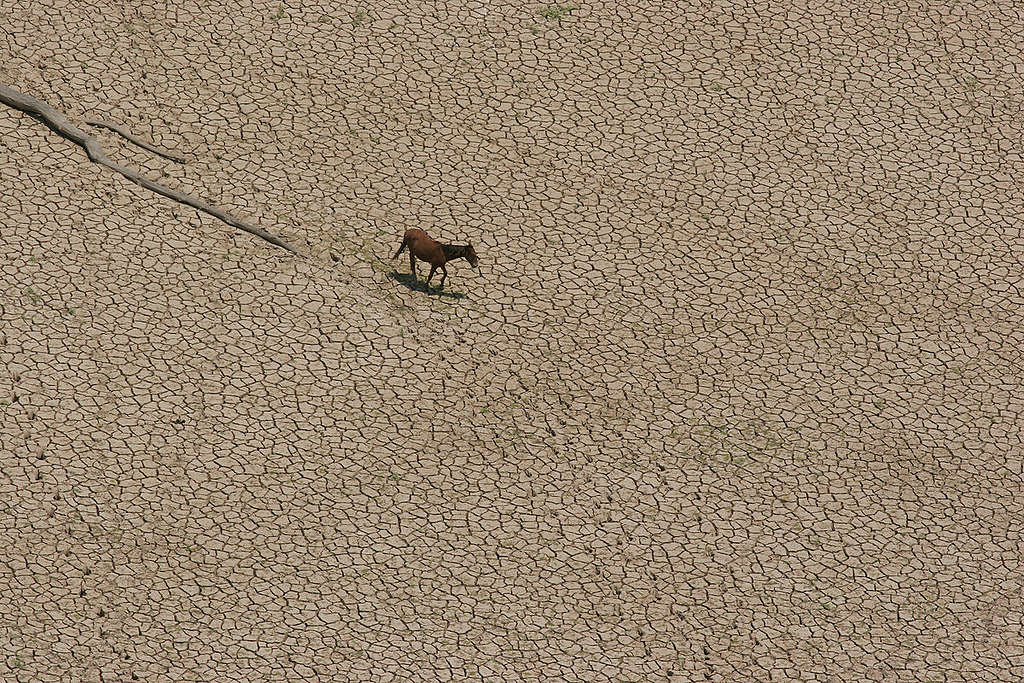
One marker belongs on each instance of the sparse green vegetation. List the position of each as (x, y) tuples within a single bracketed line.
[(376, 264), (360, 18), (556, 12)]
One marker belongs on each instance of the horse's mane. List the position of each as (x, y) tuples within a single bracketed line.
[(451, 250)]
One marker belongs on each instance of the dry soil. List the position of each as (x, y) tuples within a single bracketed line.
[(734, 395)]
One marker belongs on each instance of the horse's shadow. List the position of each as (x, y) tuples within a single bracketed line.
[(418, 285)]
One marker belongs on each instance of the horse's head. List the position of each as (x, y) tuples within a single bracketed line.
[(471, 255)]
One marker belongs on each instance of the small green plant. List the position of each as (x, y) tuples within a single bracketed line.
[(360, 18), (280, 12), (556, 12), (376, 265), (971, 81)]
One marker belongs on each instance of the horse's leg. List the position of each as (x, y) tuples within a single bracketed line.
[(432, 269), (412, 264), (444, 276)]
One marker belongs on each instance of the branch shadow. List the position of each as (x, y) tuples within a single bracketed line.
[(415, 284)]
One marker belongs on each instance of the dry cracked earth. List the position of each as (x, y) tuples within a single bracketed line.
[(734, 395)]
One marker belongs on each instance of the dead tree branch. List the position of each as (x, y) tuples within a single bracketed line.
[(60, 124)]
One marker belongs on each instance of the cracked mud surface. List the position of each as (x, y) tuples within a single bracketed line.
[(735, 393)]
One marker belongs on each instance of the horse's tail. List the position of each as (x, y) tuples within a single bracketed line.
[(405, 242)]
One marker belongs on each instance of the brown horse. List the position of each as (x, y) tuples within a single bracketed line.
[(436, 254)]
